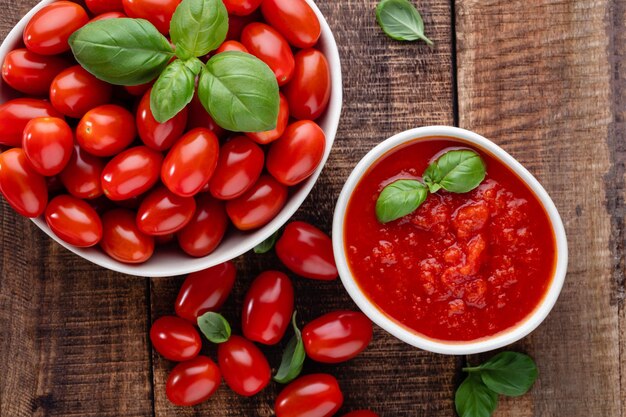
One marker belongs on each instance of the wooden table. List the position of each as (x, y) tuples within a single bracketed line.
[(544, 79)]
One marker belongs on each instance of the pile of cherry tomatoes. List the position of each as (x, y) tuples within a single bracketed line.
[(91, 157)]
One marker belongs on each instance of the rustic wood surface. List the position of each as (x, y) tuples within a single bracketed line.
[(544, 79)]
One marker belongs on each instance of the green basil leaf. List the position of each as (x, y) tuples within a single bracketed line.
[(267, 245), (509, 373), (214, 327), (400, 198), (199, 26), (240, 92), (474, 399), (173, 91), (457, 171), (121, 51), (401, 21), (195, 65), (293, 357)]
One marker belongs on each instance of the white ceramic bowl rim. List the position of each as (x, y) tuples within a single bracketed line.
[(381, 319)]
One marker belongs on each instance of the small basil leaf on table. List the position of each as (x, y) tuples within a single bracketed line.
[(293, 357), (457, 171), (172, 91), (214, 327), (198, 27), (508, 373), (121, 51), (400, 198), (268, 244), (240, 92), (401, 21), (474, 399)]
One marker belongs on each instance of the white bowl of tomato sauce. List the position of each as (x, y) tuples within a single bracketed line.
[(465, 272)]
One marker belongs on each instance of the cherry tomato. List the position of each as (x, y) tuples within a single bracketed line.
[(361, 413), (294, 19), (242, 7), (31, 73), (49, 29), (193, 382), (237, 23), (297, 154), (206, 229), (48, 143), (157, 12), (139, 90), (198, 117), (337, 337), (75, 91), (267, 308), (15, 114), (131, 173), (122, 240), (307, 251), (108, 15), (205, 291), (308, 92), (191, 162), (23, 188), (163, 212), (316, 395), (259, 205), (231, 46), (104, 6), (244, 367), (155, 135), (269, 46), (263, 138), (82, 175), (106, 130), (74, 221), (239, 167), (175, 339)]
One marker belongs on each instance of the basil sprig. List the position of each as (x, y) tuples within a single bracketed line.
[(401, 21), (214, 327), (400, 198), (293, 357), (508, 373)]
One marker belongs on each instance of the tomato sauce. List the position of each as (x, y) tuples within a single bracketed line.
[(462, 266)]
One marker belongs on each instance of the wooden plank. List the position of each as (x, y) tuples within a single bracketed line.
[(389, 87), (536, 77)]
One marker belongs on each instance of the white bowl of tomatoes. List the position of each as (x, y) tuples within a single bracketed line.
[(91, 165)]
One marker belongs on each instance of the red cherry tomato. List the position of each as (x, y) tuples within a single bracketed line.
[(361, 413), (206, 229), (241, 7), (139, 90), (307, 251), (157, 12), (49, 29), (74, 221), (175, 339), (316, 395), (237, 23), (107, 16), (267, 308), (231, 46), (23, 188), (15, 114), (308, 92), (75, 91), (155, 135), (198, 117), (48, 143), (131, 173), (106, 130), (263, 138), (122, 240), (239, 167), (297, 154), (163, 212), (244, 367), (191, 162), (269, 46), (193, 382), (294, 19), (337, 337), (259, 205), (104, 6), (82, 175), (205, 291), (31, 73)]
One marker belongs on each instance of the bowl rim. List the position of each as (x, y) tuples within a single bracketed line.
[(501, 339)]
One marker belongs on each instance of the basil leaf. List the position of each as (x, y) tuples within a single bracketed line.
[(268, 244), (401, 21), (400, 198), (474, 399), (240, 92), (214, 327), (509, 373), (195, 65), (121, 51), (457, 171), (293, 357), (172, 92), (198, 27)]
